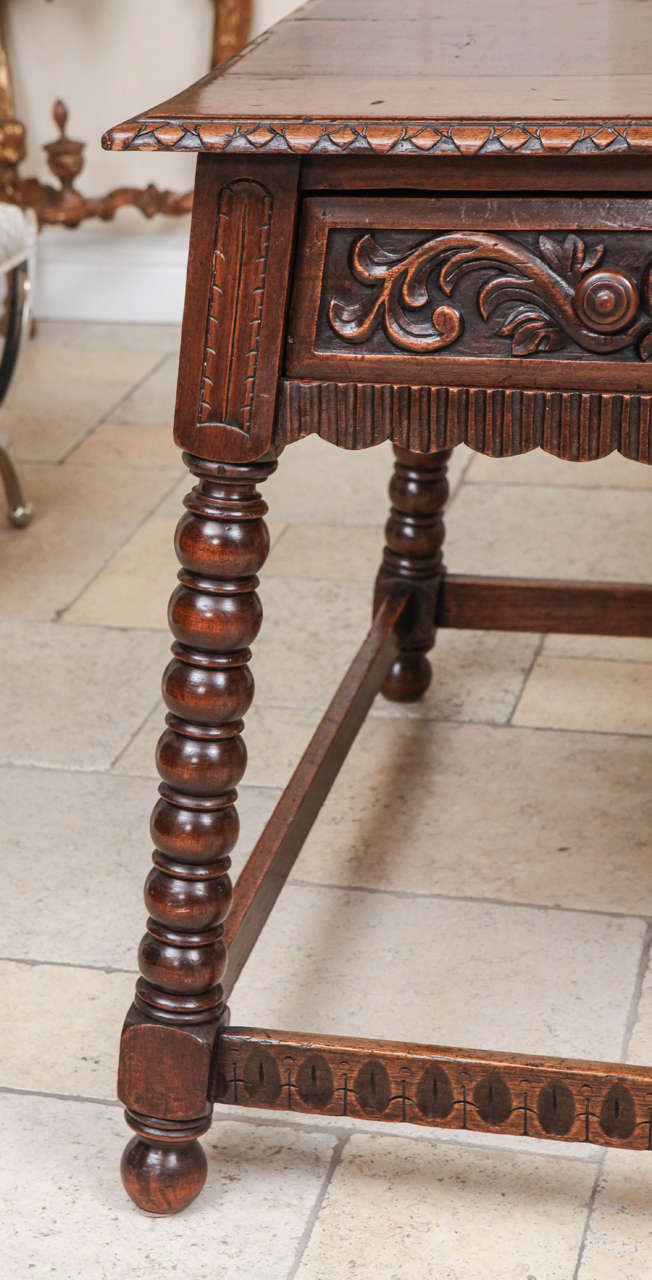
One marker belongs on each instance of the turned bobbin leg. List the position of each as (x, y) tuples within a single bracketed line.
[(168, 1037), (414, 537)]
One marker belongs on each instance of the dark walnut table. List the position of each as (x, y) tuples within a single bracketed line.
[(431, 225)]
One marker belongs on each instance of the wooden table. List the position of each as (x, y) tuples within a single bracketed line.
[(432, 226)]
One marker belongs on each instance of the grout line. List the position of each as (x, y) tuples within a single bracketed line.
[(556, 728), (574, 488), (578, 657), (416, 895), (461, 480), (274, 542), (587, 1220), (106, 416), (353, 1126), (637, 992), (535, 658), (66, 964), (59, 613), (378, 717), (60, 1097), (304, 1239), (123, 750)]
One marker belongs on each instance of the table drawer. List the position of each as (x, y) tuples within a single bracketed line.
[(531, 292)]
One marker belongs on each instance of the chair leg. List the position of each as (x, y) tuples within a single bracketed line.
[(414, 538), (18, 315), (20, 511)]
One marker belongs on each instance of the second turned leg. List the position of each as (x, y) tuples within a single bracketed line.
[(168, 1038), (413, 556)]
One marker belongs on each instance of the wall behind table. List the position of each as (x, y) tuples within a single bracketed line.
[(110, 59)]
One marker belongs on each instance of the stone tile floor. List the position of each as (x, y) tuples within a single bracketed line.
[(507, 903)]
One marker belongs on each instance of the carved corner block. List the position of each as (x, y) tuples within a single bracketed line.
[(165, 1070), (233, 332)]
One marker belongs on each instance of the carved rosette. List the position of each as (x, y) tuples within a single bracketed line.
[(235, 312), (564, 294)]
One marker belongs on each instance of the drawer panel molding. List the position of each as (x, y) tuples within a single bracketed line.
[(531, 292)]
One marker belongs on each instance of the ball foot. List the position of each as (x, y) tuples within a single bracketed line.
[(408, 678), (163, 1179)]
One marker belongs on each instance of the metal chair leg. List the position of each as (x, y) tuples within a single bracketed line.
[(20, 510), (18, 316)]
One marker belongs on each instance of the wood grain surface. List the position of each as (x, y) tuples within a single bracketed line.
[(537, 78), (605, 1103)]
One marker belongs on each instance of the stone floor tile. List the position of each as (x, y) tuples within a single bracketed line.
[(437, 971), (137, 758), (586, 694), (276, 738), (159, 338), (530, 531), (311, 632), (454, 972), (477, 676), (172, 505), (73, 696), (465, 810), (47, 418), (144, 444), (622, 648), (133, 589), (503, 977), (619, 1235), (61, 1028), (94, 841), (70, 1216), (125, 365), (478, 679), (613, 472), (81, 518), (327, 552), (457, 1213), (152, 400)]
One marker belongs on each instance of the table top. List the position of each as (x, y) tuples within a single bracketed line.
[(413, 77)]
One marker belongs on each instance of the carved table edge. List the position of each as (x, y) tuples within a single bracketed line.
[(325, 136)]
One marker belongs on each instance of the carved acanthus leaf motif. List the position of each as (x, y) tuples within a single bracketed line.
[(404, 289), (564, 294)]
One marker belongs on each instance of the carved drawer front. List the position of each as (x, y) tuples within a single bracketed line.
[(528, 292)]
